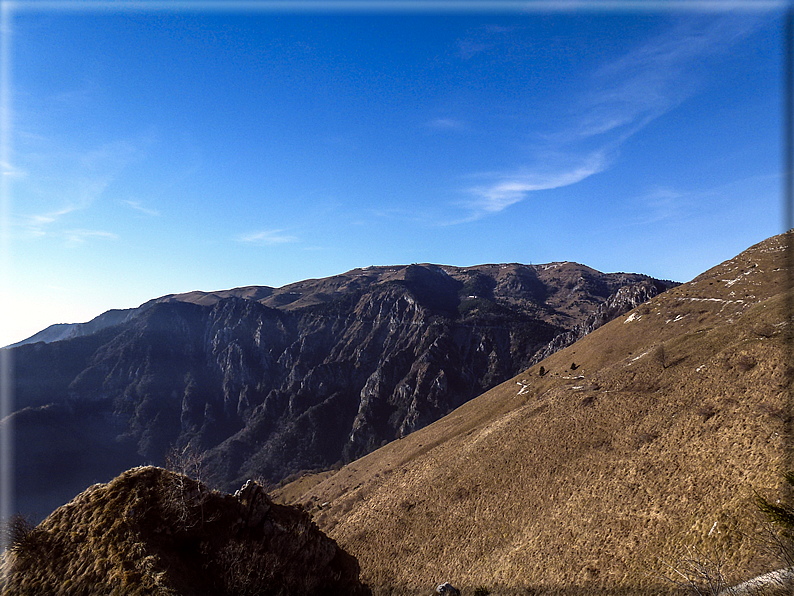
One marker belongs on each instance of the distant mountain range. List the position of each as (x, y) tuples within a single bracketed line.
[(261, 382)]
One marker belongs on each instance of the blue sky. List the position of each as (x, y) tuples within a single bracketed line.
[(160, 151)]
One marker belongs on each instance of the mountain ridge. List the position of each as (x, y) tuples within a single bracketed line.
[(288, 297), (342, 366)]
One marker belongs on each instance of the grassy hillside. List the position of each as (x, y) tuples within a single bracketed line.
[(649, 434)]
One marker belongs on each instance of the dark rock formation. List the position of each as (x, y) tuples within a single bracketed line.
[(263, 383), (151, 531), (619, 303)]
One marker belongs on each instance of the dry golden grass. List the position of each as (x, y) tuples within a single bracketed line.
[(648, 434), (154, 532)]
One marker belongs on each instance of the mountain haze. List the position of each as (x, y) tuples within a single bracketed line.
[(647, 435), (262, 382)]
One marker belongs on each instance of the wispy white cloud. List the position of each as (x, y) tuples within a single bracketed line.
[(625, 95), (11, 171), (509, 188), (140, 208), (657, 205), (59, 182), (483, 39), (82, 194), (666, 204), (644, 84), (266, 238), (446, 124), (79, 236)]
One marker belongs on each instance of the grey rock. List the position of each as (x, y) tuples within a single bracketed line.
[(255, 503), (447, 589)]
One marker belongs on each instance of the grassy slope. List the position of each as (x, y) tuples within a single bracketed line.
[(673, 416)]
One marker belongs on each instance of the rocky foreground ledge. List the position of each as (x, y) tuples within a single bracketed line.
[(151, 531)]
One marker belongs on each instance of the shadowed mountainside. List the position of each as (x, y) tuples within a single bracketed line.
[(648, 434), (150, 531), (263, 382)]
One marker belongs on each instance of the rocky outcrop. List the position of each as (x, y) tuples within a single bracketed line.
[(621, 302), (447, 589), (263, 383), (151, 531)]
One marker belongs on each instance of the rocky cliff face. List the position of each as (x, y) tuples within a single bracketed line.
[(262, 382), (620, 302)]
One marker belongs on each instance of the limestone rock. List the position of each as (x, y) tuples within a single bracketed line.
[(447, 589), (255, 502)]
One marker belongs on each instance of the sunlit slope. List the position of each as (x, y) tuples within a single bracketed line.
[(652, 431)]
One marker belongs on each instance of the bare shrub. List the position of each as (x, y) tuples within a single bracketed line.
[(183, 499), (778, 529), (745, 362), (659, 355), (773, 410), (646, 437), (15, 530), (185, 461), (706, 411), (696, 572)]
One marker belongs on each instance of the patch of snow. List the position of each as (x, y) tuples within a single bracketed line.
[(645, 353), (779, 578), (632, 317), (700, 368), (730, 282), (553, 265)]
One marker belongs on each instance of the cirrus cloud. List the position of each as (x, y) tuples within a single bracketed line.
[(621, 98), (266, 238)]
